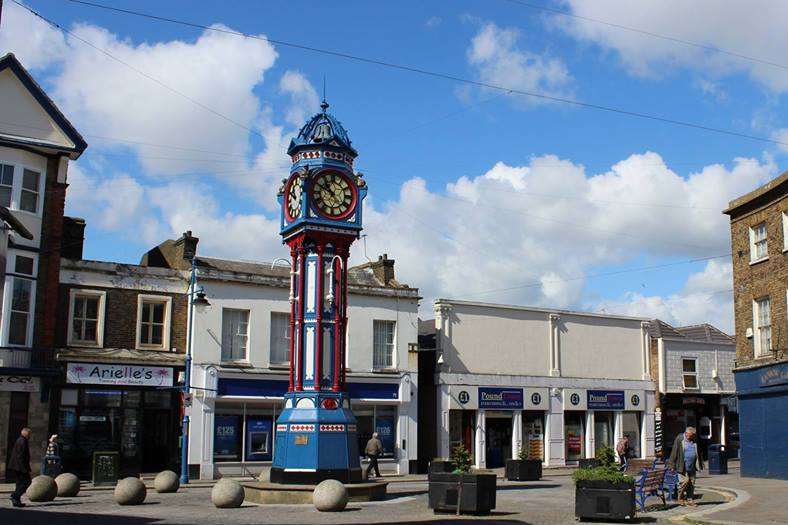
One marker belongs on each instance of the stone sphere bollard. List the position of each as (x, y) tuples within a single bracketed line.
[(67, 485), (130, 491), (330, 496), (42, 488), (227, 494), (166, 481)]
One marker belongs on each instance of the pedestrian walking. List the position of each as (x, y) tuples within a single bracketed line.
[(52, 466), (624, 450), (373, 451), (686, 461), (19, 467)]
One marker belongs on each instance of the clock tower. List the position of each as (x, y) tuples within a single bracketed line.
[(321, 215)]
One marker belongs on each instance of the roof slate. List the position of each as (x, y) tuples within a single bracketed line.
[(700, 332)]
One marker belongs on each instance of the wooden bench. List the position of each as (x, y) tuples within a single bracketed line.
[(650, 483), (637, 466)]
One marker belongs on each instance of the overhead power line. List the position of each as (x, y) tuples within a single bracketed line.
[(646, 32), (404, 67)]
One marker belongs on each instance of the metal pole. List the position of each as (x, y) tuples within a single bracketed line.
[(187, 377)]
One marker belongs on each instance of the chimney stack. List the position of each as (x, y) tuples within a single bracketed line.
[(383, 269), (73, 238), (187, 245)]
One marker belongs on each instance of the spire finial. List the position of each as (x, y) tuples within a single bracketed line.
[(324, 104)]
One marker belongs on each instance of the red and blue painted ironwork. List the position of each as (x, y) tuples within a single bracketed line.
[(321, 216)]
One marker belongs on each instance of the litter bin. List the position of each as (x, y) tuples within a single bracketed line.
[(718, 459)]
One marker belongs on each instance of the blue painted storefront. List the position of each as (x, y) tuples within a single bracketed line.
[(277, 388), (763, 420)]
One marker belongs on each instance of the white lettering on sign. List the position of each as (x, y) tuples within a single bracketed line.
[(489, 396), (20, 383), (98, 374)]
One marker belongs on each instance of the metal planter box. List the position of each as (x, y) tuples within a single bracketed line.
[(604, 499), (523, 469), (478, 492)]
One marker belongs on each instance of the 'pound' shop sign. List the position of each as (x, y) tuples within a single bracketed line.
[(506, 398), (606, 399)]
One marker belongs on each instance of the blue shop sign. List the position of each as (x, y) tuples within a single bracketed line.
[(258, 438), (506, 398), (606, 400), (276, 388)]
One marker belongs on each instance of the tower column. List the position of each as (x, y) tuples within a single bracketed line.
[(321, 271), (339, 302), (300, 321), (293, 270)]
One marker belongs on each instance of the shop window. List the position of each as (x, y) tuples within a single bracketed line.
[(280, 338), (153, 313), (631, 427), (380, 419), (235, 334), (462, 428), (758, 242), (67, 426), (102, 398), (533, 434), (28, 199), (762, 320), (86, 326), (6, 184), (227, 438), (383, 344), (158, 399), (69, 397), (689, 374), (603, 430), (574, 435)]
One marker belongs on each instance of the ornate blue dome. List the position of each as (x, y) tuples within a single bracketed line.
[(322, 129)]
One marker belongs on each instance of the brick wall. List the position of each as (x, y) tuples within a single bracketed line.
[(765, 278), (120, 321)]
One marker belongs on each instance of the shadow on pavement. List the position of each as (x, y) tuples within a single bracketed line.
[(30, 516), (528, 487)]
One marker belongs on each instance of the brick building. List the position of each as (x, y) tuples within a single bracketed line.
[(36, 144), (692, 367), (121, 340), (759, 238)]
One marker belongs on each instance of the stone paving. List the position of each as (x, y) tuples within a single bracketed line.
[(548, 501)]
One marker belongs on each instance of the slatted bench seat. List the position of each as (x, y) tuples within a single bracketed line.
[(637, 466), (650, 483)]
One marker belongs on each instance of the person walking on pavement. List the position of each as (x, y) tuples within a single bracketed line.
[(686, 461), (51, 466), (19, 467), (624, 451), (373, 450)]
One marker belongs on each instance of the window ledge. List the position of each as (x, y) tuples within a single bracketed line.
[(84, 344), (756, 261), (152, 349), (279, 366), (236, 364), (385, 371)]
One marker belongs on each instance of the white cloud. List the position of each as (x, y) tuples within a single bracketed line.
[(706, 297), (754, 29), (781, 135), (495, 54), (433, 21), (304, 99), (34, 42)]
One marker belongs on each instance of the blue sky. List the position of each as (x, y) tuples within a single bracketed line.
[(475, 193)]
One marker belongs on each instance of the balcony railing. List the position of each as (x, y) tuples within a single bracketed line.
[(13, 357)]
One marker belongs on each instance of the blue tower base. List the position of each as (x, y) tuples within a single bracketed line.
[(315, 442)]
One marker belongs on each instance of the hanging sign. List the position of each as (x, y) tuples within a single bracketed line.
[(507, 398), (606, 400), (20, 383), (126, 375)]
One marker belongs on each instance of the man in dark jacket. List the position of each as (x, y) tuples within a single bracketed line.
[(686, 461), (373, 451), (19, 467)]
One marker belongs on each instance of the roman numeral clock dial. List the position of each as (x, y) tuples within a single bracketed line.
[(333, 194), (294, 197)]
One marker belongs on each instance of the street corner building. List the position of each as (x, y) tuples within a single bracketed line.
[(759, 239), (692, 367), (556, 384), (37, 143)]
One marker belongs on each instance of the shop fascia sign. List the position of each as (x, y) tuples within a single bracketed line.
[(19, 383), (123, 375), (606, 400)]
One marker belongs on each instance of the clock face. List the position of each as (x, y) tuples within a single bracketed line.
[(334, 195), (293, 197)]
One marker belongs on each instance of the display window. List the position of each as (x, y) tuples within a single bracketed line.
[(376, 418), (574, 435), (244, 432), (227, 438), (462, 427), (631, 428), (603, 430), (533, 434)]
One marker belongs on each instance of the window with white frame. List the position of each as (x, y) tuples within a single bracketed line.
[(689, 372), (6, 184), (762, 320), (383, 344), (758, 242), (20, 187), (86, 323), (28, 198), (22, 286), (785, 231), (235, 334), (280, 338), (153, 322)]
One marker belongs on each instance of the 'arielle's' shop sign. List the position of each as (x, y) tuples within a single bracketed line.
[(126, 375)]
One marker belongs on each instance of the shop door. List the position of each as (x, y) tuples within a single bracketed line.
[(603, 430), (17, 419), (156, 451), (499, 442), (574, 429)]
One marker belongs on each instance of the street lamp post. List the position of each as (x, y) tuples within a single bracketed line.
[(196, 299)]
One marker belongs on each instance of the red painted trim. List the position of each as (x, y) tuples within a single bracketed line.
[(319, 318), (353, 189), (287, 192), (293, 266), (344, 317), (337, 314), (301, 287)]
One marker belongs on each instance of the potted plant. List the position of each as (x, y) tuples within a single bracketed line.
[(524, 468), (463, 489), (441, 465), (604, 491)]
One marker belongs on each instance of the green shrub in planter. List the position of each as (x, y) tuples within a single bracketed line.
[(604, 491), (524, 468), (462, 490)]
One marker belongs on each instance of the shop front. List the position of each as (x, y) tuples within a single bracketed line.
[(714, 421), (129, 409)]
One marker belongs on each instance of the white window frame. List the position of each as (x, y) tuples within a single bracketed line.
[(245, 358), (8, 293), (393, 345), (271, 361), (684, 373), (785, 230), (16, 188), (756, 307), (753, 248), (13, 178), (101, 295), (165, 339)]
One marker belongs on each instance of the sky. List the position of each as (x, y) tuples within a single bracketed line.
[(477, 193)]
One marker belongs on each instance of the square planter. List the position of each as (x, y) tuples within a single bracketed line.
[(523, 469), (604, 499), (588, 463), (440, 465), (478, 492)]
